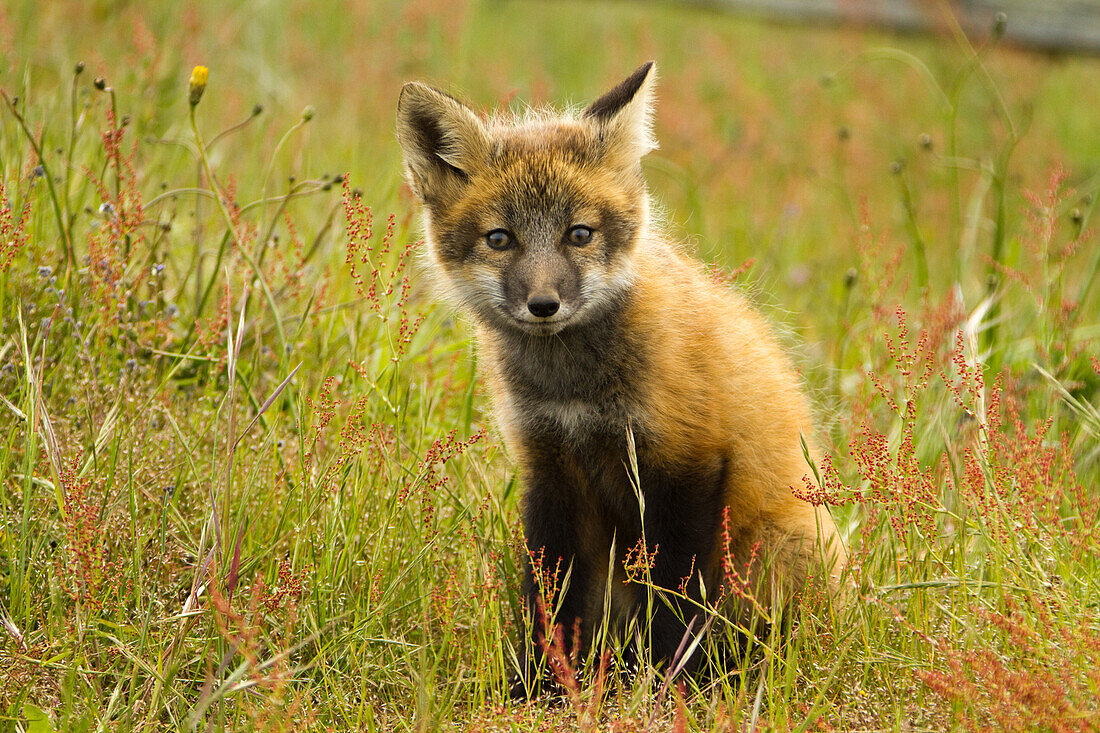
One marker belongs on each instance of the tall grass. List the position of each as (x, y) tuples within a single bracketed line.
[(249, 477)]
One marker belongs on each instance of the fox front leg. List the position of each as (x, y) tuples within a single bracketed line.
[(555, 580), (683, 520)]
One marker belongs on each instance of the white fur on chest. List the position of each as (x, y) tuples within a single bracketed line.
[(575, 418)]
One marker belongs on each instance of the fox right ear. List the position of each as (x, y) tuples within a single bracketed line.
[(444, 141), (624, 117)]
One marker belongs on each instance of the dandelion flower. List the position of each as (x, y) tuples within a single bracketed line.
[(198, 84)]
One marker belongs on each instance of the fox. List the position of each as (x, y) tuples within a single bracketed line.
[(645, 404)]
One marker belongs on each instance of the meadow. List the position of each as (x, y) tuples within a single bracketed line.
[(248, 477)]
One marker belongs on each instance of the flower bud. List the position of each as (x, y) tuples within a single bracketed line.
[(198, 84)]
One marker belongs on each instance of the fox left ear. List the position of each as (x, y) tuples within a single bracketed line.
[(443, 140), (624, 116)]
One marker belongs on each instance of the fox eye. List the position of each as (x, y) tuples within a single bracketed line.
[(579, 235), (498, 239)]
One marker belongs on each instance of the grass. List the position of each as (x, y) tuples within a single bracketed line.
[(249, 480)]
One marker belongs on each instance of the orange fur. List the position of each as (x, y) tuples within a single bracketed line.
[(592, 325)]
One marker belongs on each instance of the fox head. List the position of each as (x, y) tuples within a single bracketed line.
[(531, 222)]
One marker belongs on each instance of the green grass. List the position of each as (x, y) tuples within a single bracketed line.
[(196, 536)]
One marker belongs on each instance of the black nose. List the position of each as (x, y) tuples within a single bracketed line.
[(543, 306)]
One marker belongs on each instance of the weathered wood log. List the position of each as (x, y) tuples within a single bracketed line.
[(1052, 25)]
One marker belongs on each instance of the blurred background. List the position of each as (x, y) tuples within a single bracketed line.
[(771, 132)]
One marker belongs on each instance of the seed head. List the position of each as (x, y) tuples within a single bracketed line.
[(198, 84), (850, 278)]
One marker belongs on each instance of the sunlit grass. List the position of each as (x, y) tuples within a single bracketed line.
[(250, 480)]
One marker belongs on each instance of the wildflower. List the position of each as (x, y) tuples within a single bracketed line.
[(307, 113), (198, 84)]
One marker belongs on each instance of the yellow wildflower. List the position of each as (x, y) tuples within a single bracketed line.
[(198, 83)]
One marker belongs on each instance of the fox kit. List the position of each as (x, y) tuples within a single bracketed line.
[(603, 344)]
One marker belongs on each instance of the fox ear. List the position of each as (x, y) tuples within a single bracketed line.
[(624, 116), (444, 141)]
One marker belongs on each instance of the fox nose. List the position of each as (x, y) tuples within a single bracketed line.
[(543, 306)]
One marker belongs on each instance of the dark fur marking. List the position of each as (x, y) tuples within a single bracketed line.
[(592, 362), (683, 515), (429, 139), (570, 486), (617, 228), (578, 477), (606, 106)]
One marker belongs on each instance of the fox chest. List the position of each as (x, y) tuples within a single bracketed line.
[(570, 413), (570, 390)]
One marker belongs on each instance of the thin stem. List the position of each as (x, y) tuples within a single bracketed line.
[(236, 235), (275, 153), (70, 256)]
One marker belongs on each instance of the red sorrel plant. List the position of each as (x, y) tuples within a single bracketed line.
[(584, 693), (356, 437), (262, 636), (381, 276), (115, 281), (739, 582), (1043, 275), (639, 560), (1035, 665), (897, 464), (1020, 485), (13, 236), (86, 564), (429, 480), (979, 491)]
